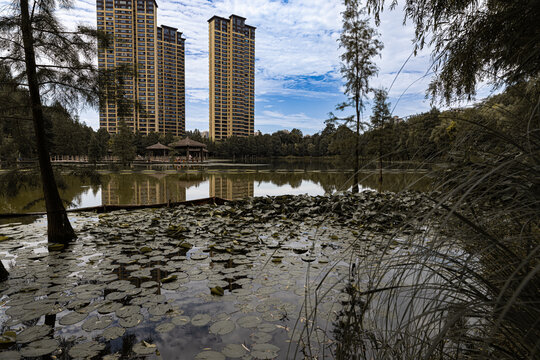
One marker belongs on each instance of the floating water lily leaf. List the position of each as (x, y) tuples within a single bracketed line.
[(222, 327), (97, 323), (308, 258), (185, 245), (217, 290), (180, 320), (109, 307), (170, 286), (198, 256), (115, 356), (200, 319), (165, 327), (127, 311), (131, 321), (266, 327), (7, 339), (234, 351), (169, 279), (144, 348), (10, 355), (72, 318), (261, 337), (248, 321), (113, 332), (116, 295), (86, 350), (210, 355), (264, 351), (56, 247), (159, 309), (33, 333), (145, 249), (39, 348)]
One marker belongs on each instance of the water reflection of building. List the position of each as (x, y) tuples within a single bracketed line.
[(142, 190), (230, 188)]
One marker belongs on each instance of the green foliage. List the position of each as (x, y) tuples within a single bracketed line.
[(360, 44), (381, 109), (123, 144), (464, 282), (474, 41)]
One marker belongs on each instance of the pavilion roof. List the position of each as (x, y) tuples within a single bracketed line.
[(158, 146), (187, 142)]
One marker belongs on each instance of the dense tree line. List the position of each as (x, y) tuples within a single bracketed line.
[(428, 136)]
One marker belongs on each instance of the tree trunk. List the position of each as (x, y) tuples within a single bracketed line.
[(59, 229), (380, 163), (355, 188), (3, 272)]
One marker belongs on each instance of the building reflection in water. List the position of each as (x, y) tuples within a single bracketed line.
[(230, 188), (146, 189)]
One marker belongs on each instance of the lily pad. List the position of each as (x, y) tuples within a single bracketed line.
[(198, 256), (248, 321), (10, 355), (145, 249), (234, 351), (144, 348), (261, 337), (39, 348), (200, 319), (159, 309), (116, 295), (222, 327), (97, 323), (210, 355), (56, 247), (165, 327), (217, 290), (127, 311), (109, 307), (86, 350), (169, 279), (7, 339), (33, 333), (72, 318), (131, 321), (264, 351), (180, 320), (113, 332)]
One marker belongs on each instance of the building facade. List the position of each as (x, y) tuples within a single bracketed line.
[(155, 88), (232, 77)]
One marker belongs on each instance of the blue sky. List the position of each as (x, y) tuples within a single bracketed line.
[(297, 81)]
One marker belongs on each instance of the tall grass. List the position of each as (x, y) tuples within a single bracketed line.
[(466, 283)]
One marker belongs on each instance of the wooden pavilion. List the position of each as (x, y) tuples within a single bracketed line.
[(194, 151), (158, 151)]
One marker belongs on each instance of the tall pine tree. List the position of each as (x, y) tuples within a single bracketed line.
[(360, 43), (53, 64)]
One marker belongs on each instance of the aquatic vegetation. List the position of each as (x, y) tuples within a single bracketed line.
[(157, 292)]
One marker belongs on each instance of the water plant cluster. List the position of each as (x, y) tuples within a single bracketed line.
[(264, 278)]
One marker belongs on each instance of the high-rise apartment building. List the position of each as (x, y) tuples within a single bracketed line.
[(232, 77), (156, 55)]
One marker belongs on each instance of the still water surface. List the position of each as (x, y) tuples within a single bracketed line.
[(161, 186)]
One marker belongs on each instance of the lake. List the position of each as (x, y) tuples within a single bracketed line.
[(233, 182)]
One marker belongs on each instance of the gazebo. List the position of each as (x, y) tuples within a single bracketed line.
[(194, 150), (158, 150)]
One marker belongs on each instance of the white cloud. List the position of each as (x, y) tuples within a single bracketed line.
[(288, 121), (295, 41)]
